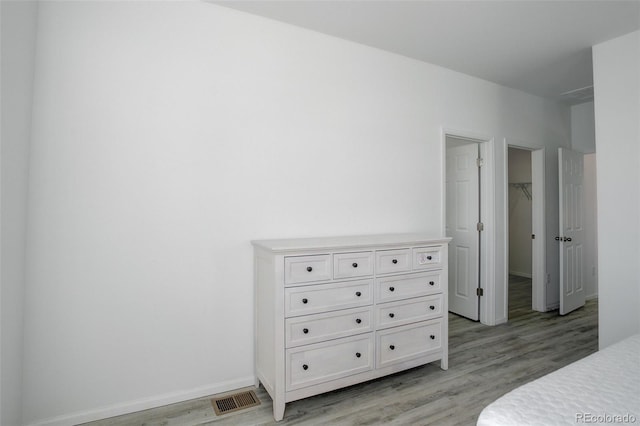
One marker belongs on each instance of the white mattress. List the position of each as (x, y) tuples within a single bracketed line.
[(593, 390)]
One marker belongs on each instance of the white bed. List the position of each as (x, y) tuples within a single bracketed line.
[(603, 388)]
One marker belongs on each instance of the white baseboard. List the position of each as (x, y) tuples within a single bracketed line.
[(144, 404), (521, 274), (591, 296), (502, 320)]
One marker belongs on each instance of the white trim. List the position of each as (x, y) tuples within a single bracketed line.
[(488, 314), (145, 403), (505, 231), (539, 215), (487, 208), (502, 320)]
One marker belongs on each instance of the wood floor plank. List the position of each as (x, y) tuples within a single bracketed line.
[(484, 363)]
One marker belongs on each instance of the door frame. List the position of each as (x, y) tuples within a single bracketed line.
[(538, 264), (538, 219), (487, 214)]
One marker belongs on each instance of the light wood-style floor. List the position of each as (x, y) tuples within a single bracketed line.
[(484, 363)]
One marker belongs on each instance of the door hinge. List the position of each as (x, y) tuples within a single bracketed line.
[(533, 236), (480, 227), (480, 161), (479, 291)]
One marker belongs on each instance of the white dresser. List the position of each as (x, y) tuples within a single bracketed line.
[(332, 312)]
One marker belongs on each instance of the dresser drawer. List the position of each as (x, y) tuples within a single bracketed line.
[(389, 261), (305, 269), (326, 361), (350, 265), (318, 298), (403, 343), (427, 258), (407, 286), (408, 311), (320, 327)]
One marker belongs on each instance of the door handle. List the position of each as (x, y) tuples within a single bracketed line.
[(567, 239)]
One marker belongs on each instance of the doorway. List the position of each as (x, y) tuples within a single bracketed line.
[(520, 232), (468, 220), (526, 290), (462, 225)]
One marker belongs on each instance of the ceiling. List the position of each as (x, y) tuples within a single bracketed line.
[(540, 47)]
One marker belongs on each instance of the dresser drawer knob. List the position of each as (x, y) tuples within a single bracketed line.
[(358, 355), (433, 337), (392, 288), (394, 261), (391, 315), (358, 320), (432, 307), (354, 264), (432, 283), (429, 257), (305, 330), (358, 294), (309, 269), (392, 347), (305, 367), (305, 300)]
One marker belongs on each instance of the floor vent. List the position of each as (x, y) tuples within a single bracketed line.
[(235, 402)]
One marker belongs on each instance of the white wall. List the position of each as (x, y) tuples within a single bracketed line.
[(520, 209), (616, 73), (591, 226), (18, 25), (583, 132), (167, 135)]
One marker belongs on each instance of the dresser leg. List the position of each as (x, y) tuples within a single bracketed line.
[(278, 410), (444, 363)]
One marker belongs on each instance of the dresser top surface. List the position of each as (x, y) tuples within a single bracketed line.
[(349, 242)]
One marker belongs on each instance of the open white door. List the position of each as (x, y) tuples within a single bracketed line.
[(462, 217), (571, 238)]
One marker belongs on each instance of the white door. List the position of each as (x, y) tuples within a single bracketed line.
[(571, 236), (462, 217)]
